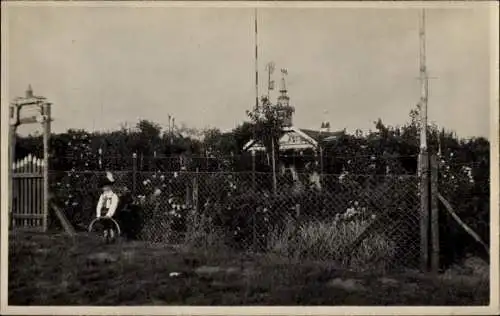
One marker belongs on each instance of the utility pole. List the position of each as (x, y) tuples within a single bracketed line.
[(171, 123), (423, 86), (423, 156)]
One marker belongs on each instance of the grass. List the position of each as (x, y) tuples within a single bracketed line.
[(320, 240), (48, 269)]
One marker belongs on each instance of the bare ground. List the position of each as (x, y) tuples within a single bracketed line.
[(53, 269)]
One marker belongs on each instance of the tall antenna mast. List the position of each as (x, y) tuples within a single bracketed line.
[(256, 62), (270, 83)]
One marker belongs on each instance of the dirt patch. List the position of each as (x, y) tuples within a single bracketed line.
[(84, 271)]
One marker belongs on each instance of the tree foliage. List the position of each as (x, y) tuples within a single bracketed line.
[(267, 124)]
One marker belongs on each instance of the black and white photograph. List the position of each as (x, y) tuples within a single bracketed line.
[(249, 154)]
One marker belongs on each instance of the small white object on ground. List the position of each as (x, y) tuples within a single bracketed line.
[(347, 284), (388, 281), (174, 274)]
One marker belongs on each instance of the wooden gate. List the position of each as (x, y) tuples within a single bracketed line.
[(28, 194)]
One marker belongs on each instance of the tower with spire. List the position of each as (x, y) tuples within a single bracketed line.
[(294, 138), (283, 103)]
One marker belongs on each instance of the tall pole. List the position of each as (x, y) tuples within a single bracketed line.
[(423, 157), (423, 85), (168, 127), (12, 159), (256, 61), (270, 69), (270, 84), (274, 164), (172, 122), (46, 138), (253, 169)]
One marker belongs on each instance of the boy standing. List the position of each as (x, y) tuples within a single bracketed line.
[(107, 205)]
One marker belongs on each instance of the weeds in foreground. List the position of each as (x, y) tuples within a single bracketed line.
[(329, 241), (202, 233)]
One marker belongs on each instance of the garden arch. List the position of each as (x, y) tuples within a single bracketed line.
[(29, 177)]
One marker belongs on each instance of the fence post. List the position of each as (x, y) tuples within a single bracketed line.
[(297, 226), (189, 191), (254, 229), (195, 191), (253, 170), (134, 173), (424, 211), (141, 168), (12, 161), (321, 166), (434, 215)]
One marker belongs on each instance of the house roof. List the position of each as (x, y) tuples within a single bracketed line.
[(313, 137), (321, 135)]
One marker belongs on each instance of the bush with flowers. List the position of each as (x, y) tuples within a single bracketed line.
[(75, 189), (163, 202)]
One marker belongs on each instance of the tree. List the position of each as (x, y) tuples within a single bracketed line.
[(149, 129), (268, 125), (149, 136), (242, 134), (219, 143)]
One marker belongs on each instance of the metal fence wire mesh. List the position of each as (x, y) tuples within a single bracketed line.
[(361, 221), (467, 188)]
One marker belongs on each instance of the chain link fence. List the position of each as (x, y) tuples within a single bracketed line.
[(466, 186), (361, 211), (360, 221)]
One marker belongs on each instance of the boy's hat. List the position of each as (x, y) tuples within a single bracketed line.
[(108, 180)]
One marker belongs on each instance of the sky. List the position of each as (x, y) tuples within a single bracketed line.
[(105, 66)]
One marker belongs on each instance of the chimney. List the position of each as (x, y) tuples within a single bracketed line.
[(29, 92), (325, 127)]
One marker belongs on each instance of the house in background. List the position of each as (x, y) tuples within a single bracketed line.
[(300, 140), (299, 147)]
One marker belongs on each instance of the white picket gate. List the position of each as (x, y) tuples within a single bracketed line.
[(28, 194)]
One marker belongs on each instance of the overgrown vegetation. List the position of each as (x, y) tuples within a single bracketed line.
[(374, 169)]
